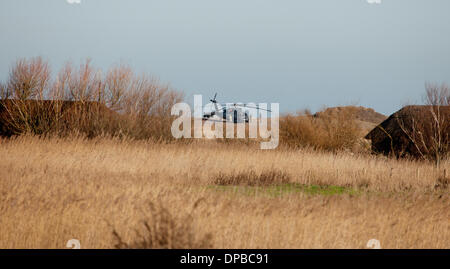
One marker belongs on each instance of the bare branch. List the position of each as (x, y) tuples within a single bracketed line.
[(436, 95), (29, 79)]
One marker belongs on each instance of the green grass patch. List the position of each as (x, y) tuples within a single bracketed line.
[(288, 188)]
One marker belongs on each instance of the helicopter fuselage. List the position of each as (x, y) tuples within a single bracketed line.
[(231, 114)]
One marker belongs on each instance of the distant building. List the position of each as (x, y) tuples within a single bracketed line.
[(415, 131)]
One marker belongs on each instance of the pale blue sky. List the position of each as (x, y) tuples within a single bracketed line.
[(302, 54)]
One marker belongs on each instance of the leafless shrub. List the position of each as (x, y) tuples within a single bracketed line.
[(29, 116), (148, 105), (23, 105), (84, 84), (4, 94), (162, 230), (436, 95), (29, 79), (327, 132), (142, 104), (252, 178), (119, 82)]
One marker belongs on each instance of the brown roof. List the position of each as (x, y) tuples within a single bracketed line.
[(411, 131)]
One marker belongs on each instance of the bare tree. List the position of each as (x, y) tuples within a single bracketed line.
[(29, 79), (84, 84), (436, 95), (4, 93), (119, 82)]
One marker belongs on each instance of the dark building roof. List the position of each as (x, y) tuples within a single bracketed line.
[(412, 131)]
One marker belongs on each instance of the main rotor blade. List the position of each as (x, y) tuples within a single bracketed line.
[(255, 107)]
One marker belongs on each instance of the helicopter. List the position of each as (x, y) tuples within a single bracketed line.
[(236, 113)]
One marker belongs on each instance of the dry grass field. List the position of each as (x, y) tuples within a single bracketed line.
[(111, 193)]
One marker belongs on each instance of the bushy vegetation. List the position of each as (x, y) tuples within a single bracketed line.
[(325, 132), (84, 101)]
